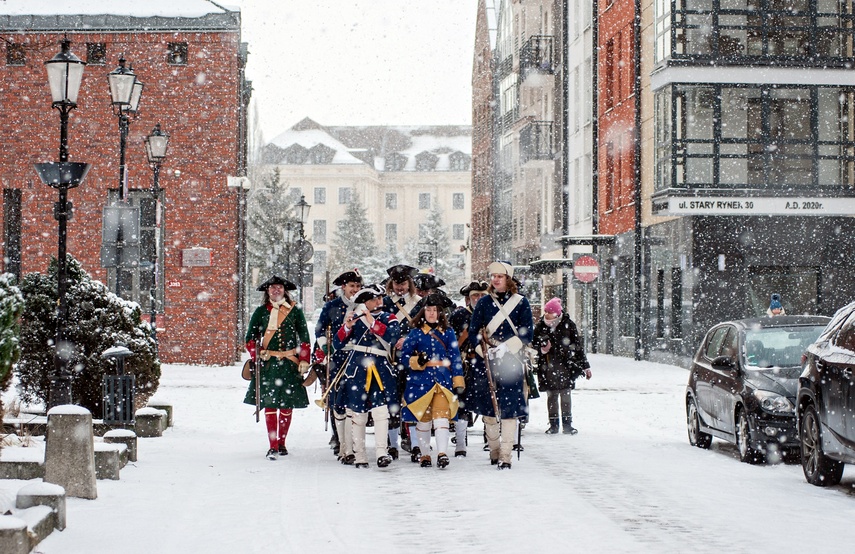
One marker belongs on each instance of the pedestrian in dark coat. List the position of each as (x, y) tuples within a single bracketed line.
[(561, 360)]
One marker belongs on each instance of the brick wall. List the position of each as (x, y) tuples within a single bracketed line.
[(198, 105)]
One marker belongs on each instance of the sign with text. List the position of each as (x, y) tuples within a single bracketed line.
[(196, 257), (743, 205)]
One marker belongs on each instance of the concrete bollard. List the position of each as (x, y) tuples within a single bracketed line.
[(149, 422), (43, 494), (126, 437), (13, 535), (107, 462), (166, 407), (70, 451)]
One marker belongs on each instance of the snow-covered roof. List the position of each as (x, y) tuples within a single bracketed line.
[(309, 136), (93, 15), (376, 145)]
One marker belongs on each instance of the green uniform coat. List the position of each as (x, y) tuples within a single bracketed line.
[(281, 383)]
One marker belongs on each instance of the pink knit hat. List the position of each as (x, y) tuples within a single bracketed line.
[(553, 307)]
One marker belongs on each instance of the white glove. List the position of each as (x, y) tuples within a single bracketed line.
[(499, 351)]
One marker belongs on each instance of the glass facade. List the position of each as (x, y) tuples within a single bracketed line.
[(755, 137), (779, 31)]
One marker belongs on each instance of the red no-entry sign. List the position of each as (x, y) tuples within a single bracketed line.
[(586, 269)]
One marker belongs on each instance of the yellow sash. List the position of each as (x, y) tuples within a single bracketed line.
[(373, 374)]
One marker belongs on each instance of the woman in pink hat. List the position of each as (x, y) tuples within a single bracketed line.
[(561, 360)]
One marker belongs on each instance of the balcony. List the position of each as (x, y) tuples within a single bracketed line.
[(536, 59), (536, 142)]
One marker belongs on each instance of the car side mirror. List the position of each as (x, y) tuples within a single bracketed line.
[(724, 363)]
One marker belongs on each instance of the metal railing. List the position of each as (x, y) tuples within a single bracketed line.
[(536, 141), (537, 55)]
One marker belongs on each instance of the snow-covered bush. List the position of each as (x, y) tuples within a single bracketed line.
[(11, 305), (97, 320)]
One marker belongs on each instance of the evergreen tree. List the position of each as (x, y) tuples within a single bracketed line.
[(353, 244), (435, 239), (97, 320)]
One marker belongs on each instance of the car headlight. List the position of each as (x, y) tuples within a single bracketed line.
[(775, 403)]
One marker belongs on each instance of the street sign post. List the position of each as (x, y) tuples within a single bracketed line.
[(586, 268)]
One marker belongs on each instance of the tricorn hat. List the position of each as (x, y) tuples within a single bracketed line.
[(276, 280), (348, 277), (401, 272), (370, 292), (474, 286), (438, 299), (427, 281)]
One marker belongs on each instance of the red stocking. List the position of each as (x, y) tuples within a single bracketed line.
[(270, 419), (284, 425)]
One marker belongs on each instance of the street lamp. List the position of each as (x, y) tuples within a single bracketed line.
[(156, 145), (65, 73), (125, 92), (303, 254)]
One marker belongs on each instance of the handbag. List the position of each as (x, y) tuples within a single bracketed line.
[(247, 370)]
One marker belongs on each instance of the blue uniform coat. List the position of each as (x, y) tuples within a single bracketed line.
[(421, 382), (369, 379), (508, 371), (332, 316)]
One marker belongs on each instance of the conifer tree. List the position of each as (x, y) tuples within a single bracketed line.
[(434, 238), (269, 213), (353, 244)]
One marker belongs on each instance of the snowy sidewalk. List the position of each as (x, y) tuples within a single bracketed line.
[(628, 482)]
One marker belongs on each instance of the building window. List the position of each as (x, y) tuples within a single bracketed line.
[(344, 195), (96, 53), (424, 200), (395, 162), (319, 231), (458, 161), (457, 201), (176, 53), (426, 161), (391, 200), (755, 137), (136, 283), (15, 54), (391, 234), (457, 231), (320, 195), (12, 232)]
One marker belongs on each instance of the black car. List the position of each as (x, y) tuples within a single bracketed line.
[(743, 382), (826, 401)]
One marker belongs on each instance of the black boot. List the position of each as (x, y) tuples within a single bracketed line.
[(415, 454), (272, 454), (393, 452), (553, 426), (567, 423), (384, 461)]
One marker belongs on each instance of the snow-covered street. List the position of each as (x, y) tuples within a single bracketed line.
[(628, 482)]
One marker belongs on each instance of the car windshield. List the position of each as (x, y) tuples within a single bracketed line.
[(778, 346)]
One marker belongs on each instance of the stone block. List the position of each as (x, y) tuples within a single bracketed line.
[(149, 422), (166, 407), (126, 437), (13, 535), (44, 494), (108, 460), (16, 469), (70, 451)]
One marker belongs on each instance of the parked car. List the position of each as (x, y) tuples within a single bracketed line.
[(743, 382), (826, 402)]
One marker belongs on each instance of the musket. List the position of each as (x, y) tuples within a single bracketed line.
[(258, 364), (484, 346), (327, 364)]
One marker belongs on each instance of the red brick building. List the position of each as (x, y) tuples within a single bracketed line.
[(192, 67)]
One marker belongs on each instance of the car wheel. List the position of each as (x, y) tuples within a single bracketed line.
[(819, 469), (743, 440), (693, 424)]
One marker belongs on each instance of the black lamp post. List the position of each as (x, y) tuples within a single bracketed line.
[(156, 145), (302, 250), (65, 73)]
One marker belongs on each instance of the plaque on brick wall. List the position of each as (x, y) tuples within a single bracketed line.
[(196, 257)]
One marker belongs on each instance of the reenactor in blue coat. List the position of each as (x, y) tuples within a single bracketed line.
[(401, 298), (435, 378), (503, 321), (459, 322), (369, 383), (333, 315)]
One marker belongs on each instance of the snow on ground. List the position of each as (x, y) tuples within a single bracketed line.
[(628, 482)]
